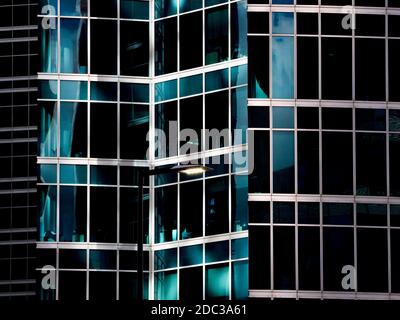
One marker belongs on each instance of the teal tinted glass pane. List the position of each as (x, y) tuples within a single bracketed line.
[(283, 117), (282, 23), (239, 75), (216, 35), (217, 282), (217, 251), (240, 280), (239, 115), (191, 85), (49, 48), (166, 285), (47, 213), (48, 129), (103, 259), (238, 29), (188, 5), (217, 80), (73, 46), (73, 129), (73, 90), (48, 89), (135, 9), (73, 7), (73, 174), (240, 248), (282, 68), (282, 1), (105, 175), (338, 213), (213, 2), (191, 255), (103, 91), (134, 92), (166, 90), (164, 8), (165, 259), (47, 173), (283, 162)]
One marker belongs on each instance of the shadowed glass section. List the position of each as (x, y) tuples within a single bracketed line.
[(47, 213), (48, 129)]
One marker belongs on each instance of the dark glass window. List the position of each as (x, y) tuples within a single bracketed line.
[(103, 39), (338, 213), (191, 210), (307, 70), (371, 164), (102, 286), (72, 259), (337, 118), (166, 46), (217, 206), (191, 40), (308, 162), (103, 214), (336, 68), (134, 127), (371, 214), (309, 258), (337, 165), (72, 286), (166, 214), (103, 130), (259, 212), (308, 212), (284, 258), (259, 180), (191, 284), (371, 119), (134, 48), (372, 257), (73, 214), (284, 212), (394, 160), (395, 259), (338, 250), (258, 48), (105, 8), (370, 77), (307, 118)]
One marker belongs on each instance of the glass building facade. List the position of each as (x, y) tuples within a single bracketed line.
[(114, 75), (324, 109), (18, 140)]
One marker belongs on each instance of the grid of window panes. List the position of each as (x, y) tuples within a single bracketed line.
[(93, 135), (18, 139), (324, 192)]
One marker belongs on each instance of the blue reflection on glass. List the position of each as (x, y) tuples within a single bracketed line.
[(73, 174), (282, 68), (47, 173), (165, 8), (47, 213), (240, 280), (282, 23), (49, 50), (166, 285), (165, 259), (240, 248), (188, 5), (73, 7), (166, 90), (135, 9), (217, 79), (239, 75), (103, 91), (73, 90), (191, 85), (48, 129), (191, 255), (73, 46), (283, 117), (217, 282)]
